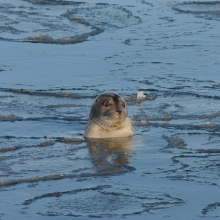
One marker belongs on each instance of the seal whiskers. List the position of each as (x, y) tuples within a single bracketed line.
[(108, 118), (107, 123)]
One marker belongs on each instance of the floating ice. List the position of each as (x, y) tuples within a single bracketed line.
[(75, 18), (5, 149), (10, 117), (127, 41), (46, 143), (141, 96), (209, 123)]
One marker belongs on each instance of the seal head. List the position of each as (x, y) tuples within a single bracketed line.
[(108, 118)]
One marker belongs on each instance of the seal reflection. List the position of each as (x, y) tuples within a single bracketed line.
[(109, 155)]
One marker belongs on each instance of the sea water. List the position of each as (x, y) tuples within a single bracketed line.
[(163, 57)]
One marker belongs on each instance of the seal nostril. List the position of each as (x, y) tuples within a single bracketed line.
[(119, 111)]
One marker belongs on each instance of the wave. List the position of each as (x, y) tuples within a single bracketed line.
[(210, 207), (102, 201), (11, 182), (211, 8), (179, 117), (46, 93), (54, 2), (80, 21), (207, 126), (64, 105), (153, 93), (67, 40), (65, 140), (58, 194), (13, 118), (4, 67)]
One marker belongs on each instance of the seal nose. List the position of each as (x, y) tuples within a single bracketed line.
[(119, 111)]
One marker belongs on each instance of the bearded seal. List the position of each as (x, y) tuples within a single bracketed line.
[(108, 118)]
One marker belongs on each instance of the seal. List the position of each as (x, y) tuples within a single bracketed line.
[(108, 118), (109, 154)]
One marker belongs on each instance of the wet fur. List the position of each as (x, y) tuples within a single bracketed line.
[(107, 123), (101, 130)]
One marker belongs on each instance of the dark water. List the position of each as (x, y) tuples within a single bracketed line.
[(57, 56)]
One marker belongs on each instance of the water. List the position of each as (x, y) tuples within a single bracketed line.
[(162, 57)]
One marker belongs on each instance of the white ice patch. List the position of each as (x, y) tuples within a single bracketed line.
[(141, 96)]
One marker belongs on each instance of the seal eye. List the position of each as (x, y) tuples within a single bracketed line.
[(123, 105), (106, 103)]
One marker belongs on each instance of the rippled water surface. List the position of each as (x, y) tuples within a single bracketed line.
[(57, 56)]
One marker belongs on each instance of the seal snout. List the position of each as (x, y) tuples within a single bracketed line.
[(119, 111)]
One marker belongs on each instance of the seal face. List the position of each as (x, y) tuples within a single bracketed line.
[(108, 118)]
